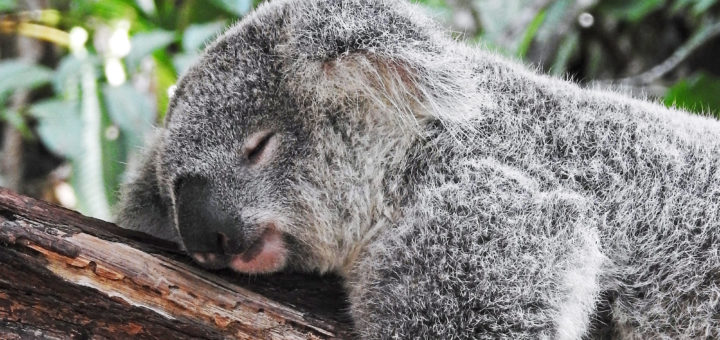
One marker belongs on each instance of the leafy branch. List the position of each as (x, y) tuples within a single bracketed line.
[(705, 34)]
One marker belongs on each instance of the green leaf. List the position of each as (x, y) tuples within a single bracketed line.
[(679, 5), (89, 166), (165, 76), (196, 36), (698, 7), (59, 126), (147, 7), (187, 13), (113, 146), (6, 5), (131, 110), (237, 7), (143, 44), (593, 67), (17, 74), (700, 93), (565, 52), (182, 62), (66, 78), (557, 13), (701, 6), (630, 10), (106, 10), (17, 120), (527, 39)]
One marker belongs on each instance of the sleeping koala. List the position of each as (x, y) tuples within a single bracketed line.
[(459, 194)]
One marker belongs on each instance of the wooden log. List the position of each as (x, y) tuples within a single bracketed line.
[(64, 275)]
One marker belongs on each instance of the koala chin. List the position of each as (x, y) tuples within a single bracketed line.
[(460, 194)]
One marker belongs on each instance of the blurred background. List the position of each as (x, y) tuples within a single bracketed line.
[(83, 83)]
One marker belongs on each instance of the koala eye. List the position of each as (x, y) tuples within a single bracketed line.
[(259, 147)]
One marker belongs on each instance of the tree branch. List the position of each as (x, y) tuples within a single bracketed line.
[(65, 275), (701, 37)]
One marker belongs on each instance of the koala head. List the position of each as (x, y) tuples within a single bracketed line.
[(278, 144)]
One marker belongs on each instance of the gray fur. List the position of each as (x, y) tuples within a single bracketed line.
[(461, 195)]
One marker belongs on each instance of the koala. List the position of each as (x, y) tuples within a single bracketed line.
[(459, 194)]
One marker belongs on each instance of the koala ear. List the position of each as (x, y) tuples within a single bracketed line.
[(385, 54), (339, 52), (142, 206), (392, 87), (403, 87), (378, 77)]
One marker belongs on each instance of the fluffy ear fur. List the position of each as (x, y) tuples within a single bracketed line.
[(351, 58), (142, 206), (386, 84)]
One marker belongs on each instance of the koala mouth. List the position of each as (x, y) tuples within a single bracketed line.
[(266, 255)]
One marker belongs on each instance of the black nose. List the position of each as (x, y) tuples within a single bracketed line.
[(205, 225)]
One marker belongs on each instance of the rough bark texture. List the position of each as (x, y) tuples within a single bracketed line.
[(64, 275)]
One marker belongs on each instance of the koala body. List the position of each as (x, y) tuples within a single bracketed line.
[(461, 195)]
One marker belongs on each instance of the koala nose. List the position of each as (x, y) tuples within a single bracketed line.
[(205, 227)]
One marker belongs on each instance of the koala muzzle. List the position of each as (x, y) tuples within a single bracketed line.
[(209, 232)]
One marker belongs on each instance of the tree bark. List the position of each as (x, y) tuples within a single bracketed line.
[(64, 275)]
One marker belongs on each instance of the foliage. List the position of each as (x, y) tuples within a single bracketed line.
[(96, 122), (699, 93), (98, 93)]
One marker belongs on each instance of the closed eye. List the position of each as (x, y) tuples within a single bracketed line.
[(260, 146)]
